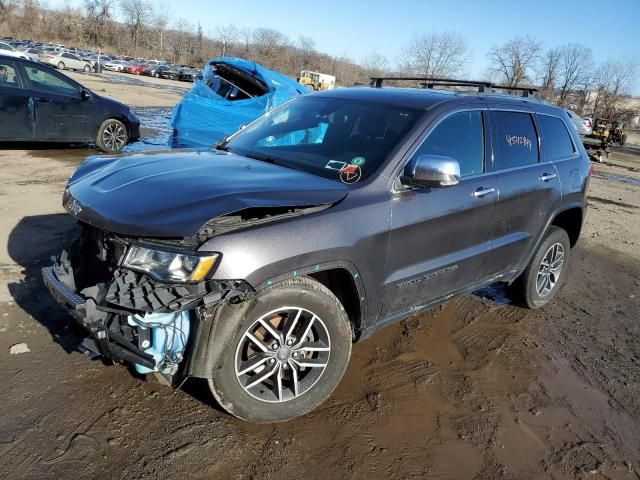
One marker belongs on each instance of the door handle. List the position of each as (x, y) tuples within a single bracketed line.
[(545, 177), (42, 100), (483, 192)]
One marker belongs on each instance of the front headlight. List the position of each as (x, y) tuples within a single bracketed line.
[(170, 266)]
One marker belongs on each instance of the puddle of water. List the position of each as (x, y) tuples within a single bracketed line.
[(155, 129), (496, 293), (617, 178)]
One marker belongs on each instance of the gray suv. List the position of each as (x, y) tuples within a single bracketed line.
[(257, 263)]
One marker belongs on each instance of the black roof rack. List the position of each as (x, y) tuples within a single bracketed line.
[(428, 82)]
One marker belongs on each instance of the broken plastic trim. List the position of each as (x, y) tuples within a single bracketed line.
[(251, 217)]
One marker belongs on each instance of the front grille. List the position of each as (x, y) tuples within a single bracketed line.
[(94, 257)]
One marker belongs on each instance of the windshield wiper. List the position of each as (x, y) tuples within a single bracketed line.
[(222, 144)]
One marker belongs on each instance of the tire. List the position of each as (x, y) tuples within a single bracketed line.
[(279, 305), (86, 69), (526, 290), (112, 136), (60, 66), (156, 75), (623, 139)]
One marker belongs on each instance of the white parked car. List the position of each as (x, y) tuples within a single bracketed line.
[(63, 61), (115, 65), (6, 49), (33, 54)]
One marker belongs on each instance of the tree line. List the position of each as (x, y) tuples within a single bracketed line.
[(566, 75)]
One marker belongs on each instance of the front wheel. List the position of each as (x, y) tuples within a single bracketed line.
[(544, 275), (60, 66), (112, 136), (290, 352)]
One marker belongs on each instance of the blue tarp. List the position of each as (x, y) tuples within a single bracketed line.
[(203, 117)]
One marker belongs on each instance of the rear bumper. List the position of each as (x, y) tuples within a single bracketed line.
[(101, 340)]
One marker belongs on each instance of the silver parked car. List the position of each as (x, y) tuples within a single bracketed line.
[(582, 125), (33, 54), (62, 60), (115, 65), (6, 49)]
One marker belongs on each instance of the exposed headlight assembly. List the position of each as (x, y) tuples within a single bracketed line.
[(170, 266)]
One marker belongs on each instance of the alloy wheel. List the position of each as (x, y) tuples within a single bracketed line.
[(114, 136), (550, 269), (282, 355)]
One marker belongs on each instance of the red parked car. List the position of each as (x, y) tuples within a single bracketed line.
[(134, 68)]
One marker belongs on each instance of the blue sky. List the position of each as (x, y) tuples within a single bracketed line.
[(358, 28)]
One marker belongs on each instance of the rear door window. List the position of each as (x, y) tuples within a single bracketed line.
[(461, 137), (8, 75), (556, 140), (42, 79), (515, 140)]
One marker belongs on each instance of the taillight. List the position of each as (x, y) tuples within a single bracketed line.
[(590, 169)]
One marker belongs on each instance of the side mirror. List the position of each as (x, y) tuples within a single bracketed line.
[(85, 95), (432, 171)]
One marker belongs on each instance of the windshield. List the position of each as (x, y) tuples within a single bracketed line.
[(340, 139)]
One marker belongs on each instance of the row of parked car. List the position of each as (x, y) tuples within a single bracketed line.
[(155, 68), (73, 58)]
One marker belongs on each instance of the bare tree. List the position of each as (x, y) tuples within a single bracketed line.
[(70, 23), (438, 55), (613, 80), (375, 64), (183, 41), (99, 21), (246, 34), (136, 14), (228, 35), (28, 13), (161, 21), (576, 63), (6, 8), (307, 47), (514, 61), (549, 73), (269, 43)]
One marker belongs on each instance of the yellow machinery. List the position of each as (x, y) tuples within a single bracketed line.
[(609, 132), (316, 80)]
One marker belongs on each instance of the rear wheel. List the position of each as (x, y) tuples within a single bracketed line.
[(112, 136), (290, 352), (544, 275), (60, 65)]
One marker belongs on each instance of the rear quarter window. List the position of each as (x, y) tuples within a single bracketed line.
[(515, 140), (556, 140)]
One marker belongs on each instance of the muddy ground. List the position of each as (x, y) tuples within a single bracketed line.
[(475, 389)]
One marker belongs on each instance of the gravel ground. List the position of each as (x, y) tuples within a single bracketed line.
[(477, 388)]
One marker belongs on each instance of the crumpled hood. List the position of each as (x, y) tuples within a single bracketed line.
[(173, 194)]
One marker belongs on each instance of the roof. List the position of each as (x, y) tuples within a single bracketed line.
[(426, 98), (403, 97)]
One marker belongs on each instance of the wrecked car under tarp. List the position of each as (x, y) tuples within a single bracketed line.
[(231, 93)]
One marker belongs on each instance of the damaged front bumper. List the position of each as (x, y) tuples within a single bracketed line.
[(133, 319), (101, 341)]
